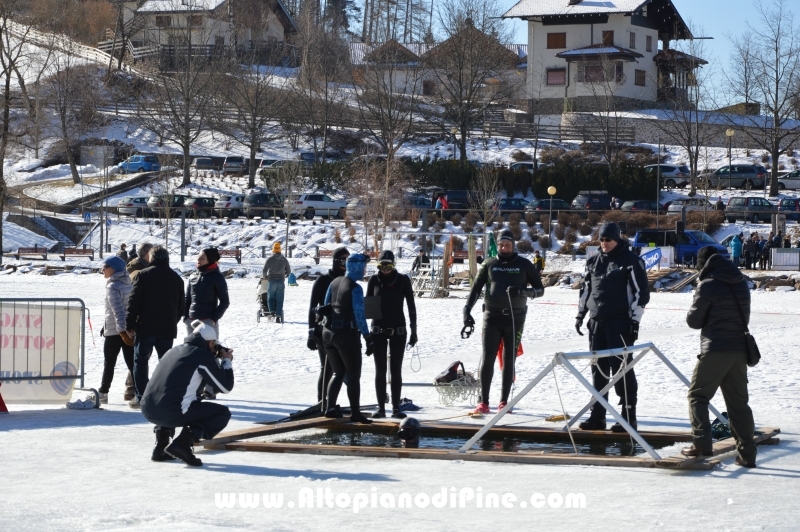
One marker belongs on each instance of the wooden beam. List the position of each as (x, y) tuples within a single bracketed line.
[(727, 445), (289, 426)]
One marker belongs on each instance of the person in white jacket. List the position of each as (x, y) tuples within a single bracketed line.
[(118, 289)]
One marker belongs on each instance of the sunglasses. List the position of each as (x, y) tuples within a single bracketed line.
[(606, 240), (386, 267)]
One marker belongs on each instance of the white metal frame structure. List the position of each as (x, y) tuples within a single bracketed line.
[(563, 359)]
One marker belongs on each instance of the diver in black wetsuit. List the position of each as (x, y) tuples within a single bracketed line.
[(506, 277), (341, 336), (315, 342), (389, 331)]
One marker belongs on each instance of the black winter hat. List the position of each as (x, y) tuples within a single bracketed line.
[(609, 230), (704, 254), (506, 235), (340, 253), (386, 257), (212, 254)]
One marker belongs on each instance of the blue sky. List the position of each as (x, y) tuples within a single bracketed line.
[(717, 18)]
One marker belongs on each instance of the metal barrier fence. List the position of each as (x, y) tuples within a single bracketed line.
[(42, 339)]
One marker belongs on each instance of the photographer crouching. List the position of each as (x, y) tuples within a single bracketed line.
[(172, 397)]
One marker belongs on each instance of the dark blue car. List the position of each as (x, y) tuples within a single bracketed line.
[(686, 244)]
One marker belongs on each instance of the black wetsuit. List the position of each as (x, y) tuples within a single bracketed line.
[(390, 332), (318, 292), (501, 320)]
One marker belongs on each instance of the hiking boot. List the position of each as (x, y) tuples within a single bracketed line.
[(358, 417), (397, 414), (593, 423), (103, 398), (163, 435), (134, 403), (741, 462), (181, 448), (278, 319), (130, 390), (380, 414), (630, 418), (502, 405), (482, 408), (696, 451), (334, 412)]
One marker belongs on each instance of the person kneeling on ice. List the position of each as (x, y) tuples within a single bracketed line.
[(506, 278), (172, 397)]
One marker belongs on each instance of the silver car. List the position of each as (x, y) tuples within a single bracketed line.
[(745, 176), (691, 204), (672, 175), (232, 206), (789, 181), (133, 206)]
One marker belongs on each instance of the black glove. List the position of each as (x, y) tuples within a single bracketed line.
[(412, 340), (312, 340), (578, 325), (634, 331), (468, 321), (370, 345)]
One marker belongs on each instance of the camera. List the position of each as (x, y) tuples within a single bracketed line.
[(219, 350)]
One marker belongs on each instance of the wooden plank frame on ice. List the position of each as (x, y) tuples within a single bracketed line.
[(233, 441)]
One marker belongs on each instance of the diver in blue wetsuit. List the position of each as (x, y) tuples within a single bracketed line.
[(345, 321)]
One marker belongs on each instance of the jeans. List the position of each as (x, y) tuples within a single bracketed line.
[(275, 297), (142, 349)]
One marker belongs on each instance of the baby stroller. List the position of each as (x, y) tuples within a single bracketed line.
[(263, 307)]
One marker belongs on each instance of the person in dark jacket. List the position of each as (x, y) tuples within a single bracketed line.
[(172, 398), (614, 294), (315, 343), (421, 259), (506, 278), (750, 249), (341, 336), (155, 307), (389, 331), (722, 362), (140, 262), (777, 241), (122, 253), (206, 292)]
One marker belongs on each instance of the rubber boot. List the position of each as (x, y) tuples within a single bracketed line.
[(630, 416), (380, 414), (181, 448), (595, 421), (163, 435)]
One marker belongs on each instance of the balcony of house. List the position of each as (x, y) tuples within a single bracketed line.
[(676, 76)]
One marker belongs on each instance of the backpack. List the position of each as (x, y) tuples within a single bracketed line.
[(450, 374)]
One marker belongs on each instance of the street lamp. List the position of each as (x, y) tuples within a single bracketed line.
[(729, 133), (658, 181), (454, 131), (552, 191)]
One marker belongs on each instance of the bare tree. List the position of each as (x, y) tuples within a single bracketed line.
[(775, 47), (484, 188), (471, 68), (287, 183)]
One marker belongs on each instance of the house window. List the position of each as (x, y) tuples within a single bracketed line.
[(428, 87), (556, 40), (619, 74), (593, 74), (649, 45), (195, 21), (599, 73), (556, 76), (633, 41), (640, 77), (608, 38), (163, 21)]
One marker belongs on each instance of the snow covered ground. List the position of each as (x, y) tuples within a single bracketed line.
[(15, 237), (91, 470)]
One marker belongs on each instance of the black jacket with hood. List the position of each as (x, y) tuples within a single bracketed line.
[(206, 294), (156, 303), (179, 379), (714, 309), (614, 286)]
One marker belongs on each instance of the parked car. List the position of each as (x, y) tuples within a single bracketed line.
[(227, 205), (139, 164), (314, 204), (641, 205), (528, 166), (691, 204), (686, 244), (749, 209), (745, 176), (203, 163), (199, 207), (235, 165), (262, 203), (672, 176), (460, 201), (543, 205), (506, 206), (790, 181), (790, 207), (133, 206), (592, 200), (159, 205)]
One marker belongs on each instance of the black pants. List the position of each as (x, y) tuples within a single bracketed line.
[(611, 334), (395, 345), (111, 347), (325, 373), (203, 418), (495, 328), (344, 353), (748, 260)]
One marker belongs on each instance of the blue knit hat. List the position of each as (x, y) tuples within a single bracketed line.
[(116, 263)]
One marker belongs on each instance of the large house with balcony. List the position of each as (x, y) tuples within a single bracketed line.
[(582, 52)]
